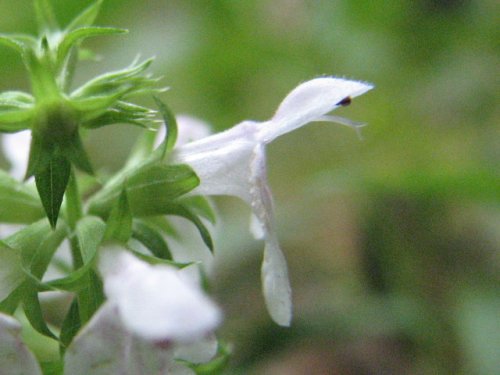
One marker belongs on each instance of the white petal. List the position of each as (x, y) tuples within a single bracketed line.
[(155, 302), (191, 129), (308, 102), (105, 347), (222, 171), (16, 147), (200, 351), (11, 272), (275, 284), (15, 358), (100, 348)]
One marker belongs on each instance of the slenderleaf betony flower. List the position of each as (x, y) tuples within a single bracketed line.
[(233, 163), (153, 315)]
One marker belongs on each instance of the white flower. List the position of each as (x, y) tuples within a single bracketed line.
[(156, 302), (152, 316), (15, 358), (16, 148), (233, 162)]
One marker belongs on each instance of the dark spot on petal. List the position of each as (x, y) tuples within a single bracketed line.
[(345, 102), (163, 344)]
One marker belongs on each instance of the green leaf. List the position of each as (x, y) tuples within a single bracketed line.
[(109, 82), (11, 270), (33, 312), (171, 125), (51, 183), (90, 297), (18, 114), (38, 257), (18, 202), (150, 237), (89, 232), (75, 152), (154, 260), (182, 211), (78, 35), (45, 16), (201, 206), (152, 189), (71, 325), (122, 112), (119, 225), (52, 367), (9, 305), (16, 97), (85, 18), (11, 42)]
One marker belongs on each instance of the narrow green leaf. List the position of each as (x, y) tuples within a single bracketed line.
[(78, 35), (15, 115), (91, 296), (183, 211), (45, 16), (201, 206), (38, 258), (71, 325), (171, 125), (33, 312), (86, 17), (89, 232), (51, 184), (11, 270), (119, 225), (110, 81), (75, 152), (52, 367), (39, 157), (9, 305), (18, 97), (150, 237), (10, 42), (152, 190), (18, 203), (154, 260)]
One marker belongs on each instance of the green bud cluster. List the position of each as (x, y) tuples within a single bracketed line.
[(54, 114)]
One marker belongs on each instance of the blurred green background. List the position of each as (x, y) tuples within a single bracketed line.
[(393, 241)]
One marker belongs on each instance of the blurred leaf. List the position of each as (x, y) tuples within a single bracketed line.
[(45, 16), (152, 190), (78, 35), (201, 206), (89, 232), (171, 127), (86, 17), (183, 211), (150, 237), (71, 325), (119, 223), (33, 312), (18, 203)]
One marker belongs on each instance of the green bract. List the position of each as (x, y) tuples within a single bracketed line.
[(56, 115)]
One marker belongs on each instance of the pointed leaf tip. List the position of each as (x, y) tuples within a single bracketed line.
[(51, 184)]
